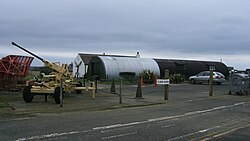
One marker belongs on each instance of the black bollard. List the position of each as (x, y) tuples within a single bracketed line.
[(139, 91), (113, 90)]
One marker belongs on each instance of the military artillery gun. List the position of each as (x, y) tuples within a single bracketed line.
[(54, 84)]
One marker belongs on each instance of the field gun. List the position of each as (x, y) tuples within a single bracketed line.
[(53, 84), (60, 71)]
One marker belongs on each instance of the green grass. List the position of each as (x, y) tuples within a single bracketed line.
[(6, 98), (3, 103)]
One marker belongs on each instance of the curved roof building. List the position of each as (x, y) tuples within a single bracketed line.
[(189, 67), (109, 67)]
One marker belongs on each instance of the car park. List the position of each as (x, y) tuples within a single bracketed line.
[(204, 77)]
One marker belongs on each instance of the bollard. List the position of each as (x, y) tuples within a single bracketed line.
[(166, 93), (112, 89), (138, 90)]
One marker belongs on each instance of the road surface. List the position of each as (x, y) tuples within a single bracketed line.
[(223, 117)]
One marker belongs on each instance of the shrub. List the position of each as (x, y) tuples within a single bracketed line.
[(129, 76), (148, 76), (177, 78)]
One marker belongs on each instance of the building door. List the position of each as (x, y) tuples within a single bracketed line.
[(95, 69)]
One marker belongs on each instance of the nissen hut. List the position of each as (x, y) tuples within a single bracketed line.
[(189, 67), (109, 67)]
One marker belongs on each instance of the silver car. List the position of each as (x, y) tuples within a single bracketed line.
[(203, 77)]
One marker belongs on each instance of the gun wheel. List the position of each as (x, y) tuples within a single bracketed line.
[(57, 95), (79, 85), (27, 95)]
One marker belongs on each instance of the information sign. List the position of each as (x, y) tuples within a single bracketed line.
[(163, 81)]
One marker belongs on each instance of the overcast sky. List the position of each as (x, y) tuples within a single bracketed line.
[(177, 29)]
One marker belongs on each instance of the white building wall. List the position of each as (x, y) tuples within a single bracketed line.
[(77, 61)]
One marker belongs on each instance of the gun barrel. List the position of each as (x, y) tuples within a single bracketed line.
[(13, 43)]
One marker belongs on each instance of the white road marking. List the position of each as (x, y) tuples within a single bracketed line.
[(18, 119), (212, 128), (227, 132), (107, 127), (119, 125), (132, 123), (166, 126), (191, 134), (124, 128), (27, 118), (52, 135), (120, 135)]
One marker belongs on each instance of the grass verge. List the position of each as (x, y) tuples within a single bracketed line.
[(3, 103), (7, 97)]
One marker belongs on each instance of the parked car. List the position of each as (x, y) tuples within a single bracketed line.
[(204, 76)]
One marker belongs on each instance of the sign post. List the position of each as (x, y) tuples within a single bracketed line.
[(165, 82), (162, 81)]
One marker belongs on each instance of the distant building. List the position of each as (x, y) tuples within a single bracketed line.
[(82, 60), (189, 67), (109, 66)]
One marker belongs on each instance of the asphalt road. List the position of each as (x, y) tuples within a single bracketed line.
[(222, 117)]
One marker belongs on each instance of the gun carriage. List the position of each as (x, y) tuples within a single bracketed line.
[(59, 81)]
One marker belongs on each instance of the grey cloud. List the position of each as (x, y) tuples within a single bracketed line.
[(194, 27)]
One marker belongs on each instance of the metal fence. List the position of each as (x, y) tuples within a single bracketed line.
[(239, 83)]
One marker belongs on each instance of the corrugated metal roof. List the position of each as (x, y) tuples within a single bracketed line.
[(87, 57), (189, 67), (114, 65)]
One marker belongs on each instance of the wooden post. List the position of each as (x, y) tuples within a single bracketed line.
[(211, 88), (93, 90), (61, 93), (166, 92), (96, 85), (120, 95), (155, 81)]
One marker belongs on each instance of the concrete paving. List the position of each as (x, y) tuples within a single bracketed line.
[(104, 100)]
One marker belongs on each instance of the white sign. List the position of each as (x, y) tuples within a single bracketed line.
[(163, 81)]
